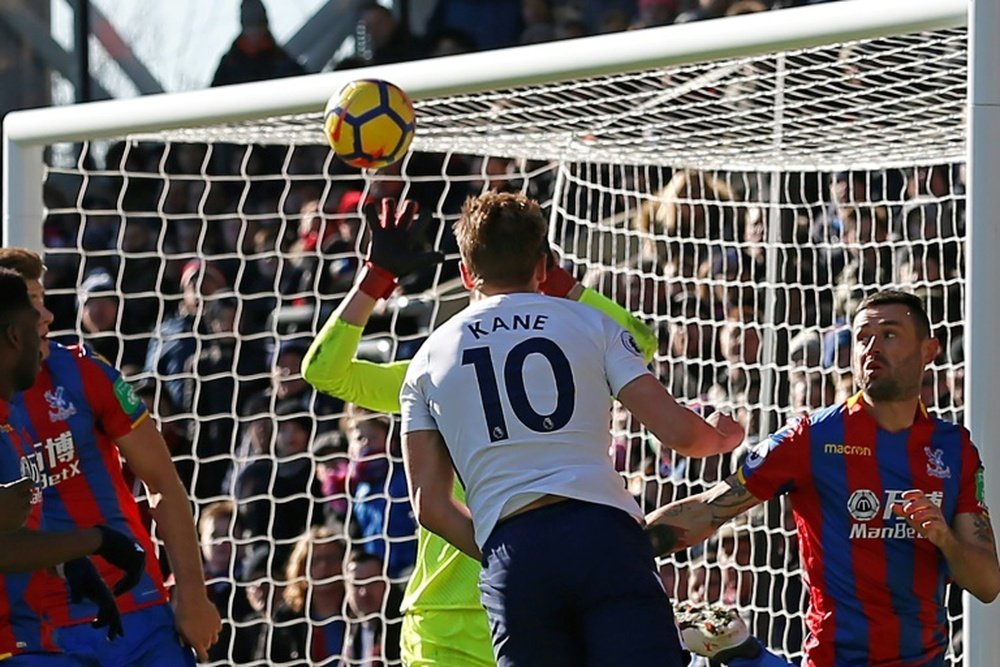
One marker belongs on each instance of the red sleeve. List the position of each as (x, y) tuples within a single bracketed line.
[(779, 463), (117, 409), (971, 492)]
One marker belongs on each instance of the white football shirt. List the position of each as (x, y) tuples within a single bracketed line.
[(520, 387)]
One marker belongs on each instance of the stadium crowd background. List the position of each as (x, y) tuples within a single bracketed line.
[(269, 461)]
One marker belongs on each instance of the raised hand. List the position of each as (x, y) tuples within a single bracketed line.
[(124, 553), (85, 583), (396, 246)]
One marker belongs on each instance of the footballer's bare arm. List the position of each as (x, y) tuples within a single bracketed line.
[(687, 522), (972, 555), (430, 476)]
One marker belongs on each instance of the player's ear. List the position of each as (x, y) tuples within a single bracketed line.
[(542, 268), (930, 348), (8, 333), (467, 278)]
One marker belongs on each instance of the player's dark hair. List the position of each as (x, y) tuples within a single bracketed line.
[(501, 235), (15, 296), (913, 303), (26, 262)]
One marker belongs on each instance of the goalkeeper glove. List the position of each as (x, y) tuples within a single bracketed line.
[(396, 247), (86, 584), (558, 281), (124, 553), (714, 632)]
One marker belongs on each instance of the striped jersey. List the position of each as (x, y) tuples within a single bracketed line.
[(876, 588), (78, 406), (21, 625), (519, 386)]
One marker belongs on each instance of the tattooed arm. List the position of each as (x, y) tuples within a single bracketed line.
[(687, 522), (968, 544)]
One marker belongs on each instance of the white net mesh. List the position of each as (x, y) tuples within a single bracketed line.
[(739, 207), (829, 107)]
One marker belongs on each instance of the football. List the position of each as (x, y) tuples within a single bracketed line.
[(370, 123)]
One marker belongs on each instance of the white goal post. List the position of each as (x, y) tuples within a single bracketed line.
[(741, 121)]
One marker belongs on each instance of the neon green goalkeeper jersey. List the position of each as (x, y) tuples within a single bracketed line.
[(443, 578)]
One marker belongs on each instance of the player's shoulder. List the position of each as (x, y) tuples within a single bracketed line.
[(803, 424), (828, 415), (948, 432), (79, 360), (83, 354)]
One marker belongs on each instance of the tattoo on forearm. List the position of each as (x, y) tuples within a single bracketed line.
[(664, 538), (729, 503), (983, 530)]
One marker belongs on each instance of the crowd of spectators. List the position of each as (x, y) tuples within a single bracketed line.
[(206, 272), (460, 26)]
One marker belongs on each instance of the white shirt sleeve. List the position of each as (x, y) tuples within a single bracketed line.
[(413, 404), (623, 358)]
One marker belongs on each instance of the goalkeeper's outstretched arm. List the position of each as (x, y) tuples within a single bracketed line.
[(331, 367), (330, 364)]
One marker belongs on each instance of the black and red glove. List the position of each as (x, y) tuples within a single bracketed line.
[(397, 247), (558, 281)]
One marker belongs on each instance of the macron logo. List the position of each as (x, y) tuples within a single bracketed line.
[(846, 450)]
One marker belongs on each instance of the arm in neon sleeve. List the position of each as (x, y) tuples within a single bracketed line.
[(330, 366), (644, 336)]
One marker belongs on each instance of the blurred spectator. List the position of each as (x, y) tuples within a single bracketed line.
[(705, 9), (332, 467), (323, 259), (449, 42), (309, 625), (289, 388), (374, 629), (689, 368), (98, 303), (172, 348), (277, 494), (215, 532), (848, 189), (570, 24), (613, 20), (491, 24), (655, 12), (810, 390), (382, 38), (739, 344), (681, 223), (746, 7), (262, 582), (254, 56), (380, 517), (228, 369)]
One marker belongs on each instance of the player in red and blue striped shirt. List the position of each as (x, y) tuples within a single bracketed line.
[(84, 416), (888, 503), (26, 636)]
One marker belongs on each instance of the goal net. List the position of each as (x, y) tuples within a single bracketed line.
[(739, 206)]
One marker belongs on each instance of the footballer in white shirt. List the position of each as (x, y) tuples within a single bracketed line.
[(515, 394)]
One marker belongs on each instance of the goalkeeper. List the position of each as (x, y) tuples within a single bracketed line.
[(443, 622)]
